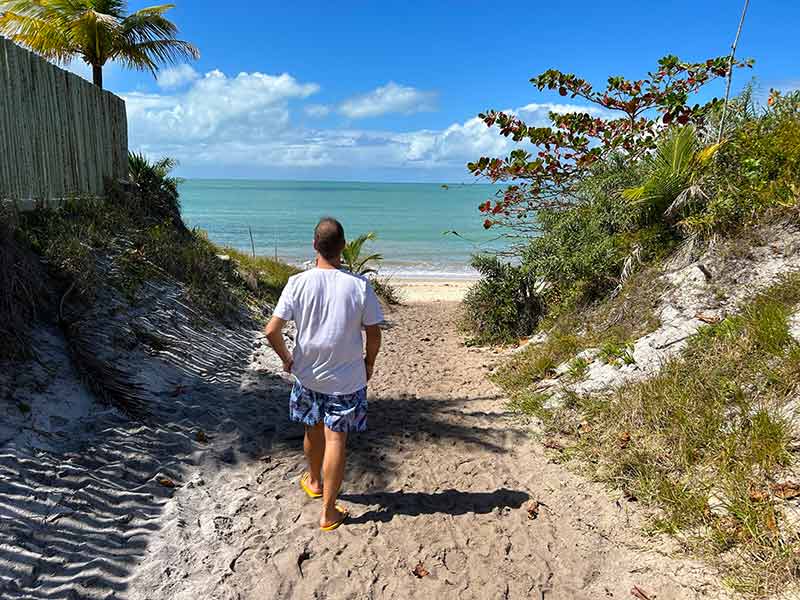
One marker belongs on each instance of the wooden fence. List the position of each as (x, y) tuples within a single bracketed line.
[(60, 136)]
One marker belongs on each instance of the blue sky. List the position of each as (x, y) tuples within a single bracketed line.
[(389, 91)]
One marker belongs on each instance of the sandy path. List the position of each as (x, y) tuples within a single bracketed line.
[(443, 480)]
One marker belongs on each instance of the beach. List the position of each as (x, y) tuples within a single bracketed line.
[(450, 496), (414, 291)]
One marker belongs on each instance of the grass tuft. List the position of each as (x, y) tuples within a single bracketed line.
[(386, 291), (74, 240)]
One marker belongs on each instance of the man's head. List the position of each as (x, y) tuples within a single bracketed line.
[(329, 238)]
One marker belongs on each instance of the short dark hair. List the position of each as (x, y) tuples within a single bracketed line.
[(329, 238)]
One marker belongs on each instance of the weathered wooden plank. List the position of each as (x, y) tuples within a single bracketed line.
[(60, 136)]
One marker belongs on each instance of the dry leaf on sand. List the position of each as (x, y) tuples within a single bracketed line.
[(533, 509), (787, 490), (420, 571), (552, 444)]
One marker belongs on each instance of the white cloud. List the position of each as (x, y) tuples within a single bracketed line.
[(460, 142), (220, 124), (541, 111), (390, 98), (317, 111), (175, 77), (216, 108)]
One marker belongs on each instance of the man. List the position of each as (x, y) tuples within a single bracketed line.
[(330, 307)]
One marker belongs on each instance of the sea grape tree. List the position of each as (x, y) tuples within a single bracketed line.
[(632, 112)]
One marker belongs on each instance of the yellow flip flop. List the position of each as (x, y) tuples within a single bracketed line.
[(336, 524), (309, 492)]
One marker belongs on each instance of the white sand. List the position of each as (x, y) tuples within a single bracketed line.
[(443, 488), (432, 290)]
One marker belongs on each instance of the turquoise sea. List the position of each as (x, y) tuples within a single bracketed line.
[(409, 218)]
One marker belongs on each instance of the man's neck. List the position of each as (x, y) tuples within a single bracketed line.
[(324, 263)]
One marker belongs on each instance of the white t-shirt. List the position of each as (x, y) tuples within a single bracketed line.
[(330, 307)]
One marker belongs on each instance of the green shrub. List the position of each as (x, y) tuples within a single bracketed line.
[(157, 194), (269, 274), (580, 254), (504, 305), (757, 169)]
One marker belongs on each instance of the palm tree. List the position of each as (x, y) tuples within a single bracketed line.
[(675, 175), (352, 258), (96, 31)]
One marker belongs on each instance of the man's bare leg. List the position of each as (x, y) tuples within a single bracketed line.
[(314, 448), (333, 469)]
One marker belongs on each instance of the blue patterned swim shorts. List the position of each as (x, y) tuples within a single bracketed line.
[(344, 414)]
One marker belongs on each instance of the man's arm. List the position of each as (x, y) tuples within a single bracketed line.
[(274, 333), (373, 346)]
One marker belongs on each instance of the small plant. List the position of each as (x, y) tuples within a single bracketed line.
[(158, 190), (354, 261), (675, 176), (617, 353), (578, 367), (504, 305), (386, 291)]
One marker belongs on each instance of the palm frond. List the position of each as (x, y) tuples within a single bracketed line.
[(148, 56), (351, 255), (706, 154), (44, 37), (691, 195), (676, 171), (634, 194), (97, 31)]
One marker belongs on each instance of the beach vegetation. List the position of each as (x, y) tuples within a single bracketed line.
[(607, 192), (96, 31), (354, 258), (387, 291), (136, 236), (607, 326), (707, 442), (578, 367), (613, 352), (504, 305), (357, 261), (157, 188), (23, 290), (268, 276)]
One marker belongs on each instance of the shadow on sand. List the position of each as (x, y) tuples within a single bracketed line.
[(451, 502), (78, 511)]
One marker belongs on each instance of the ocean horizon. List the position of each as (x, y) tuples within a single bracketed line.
[(413, 221)]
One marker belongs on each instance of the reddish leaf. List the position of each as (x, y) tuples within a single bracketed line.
[(786, 490), (420, 571)]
